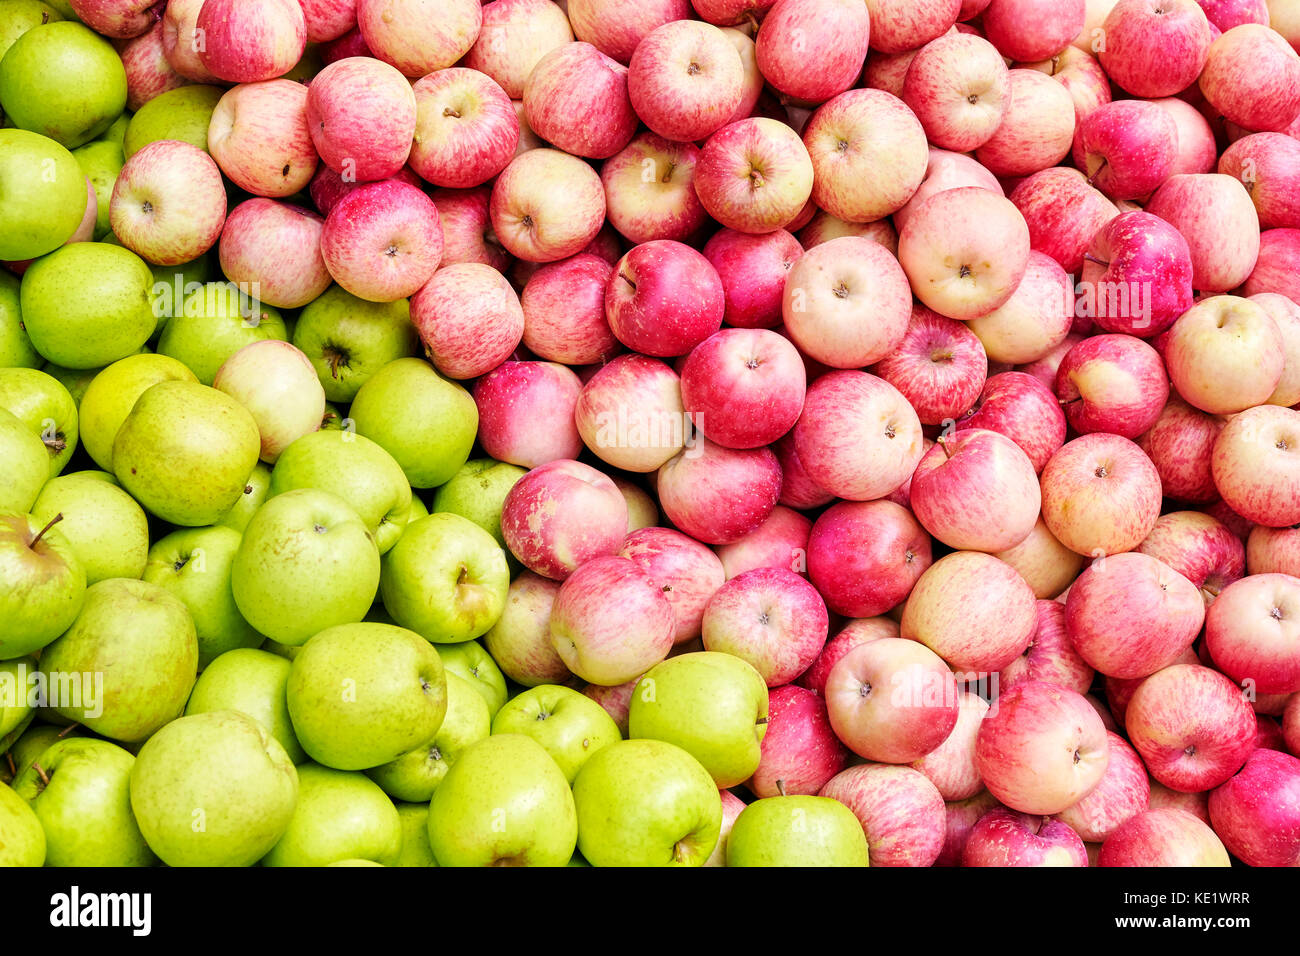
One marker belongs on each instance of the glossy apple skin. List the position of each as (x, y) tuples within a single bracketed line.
[(1050, 656), (245, 42), (664, 298), (383, 241), (1163, 836), (800, 752), (665, 207), (467, 130), (1033, 29), (1278, 263), (1047, 566), (686, 80), (718, 495), (1101, 495), (1268, 165), (576, 98), (1035, 320), (562, 514), (901, 812), (1022, 408), (1112, 383), (1192, 726), (277, 246), (1127, 147), (753, 270), (1253, 632), (1005, 837), (951, 766), (564, 311), (1064, 213), (525, 413), (833, 34), (1138, 271), (857, 631), (1252, 78), (770, 617), (1257, 812), (1216, 217), (865, 557), (781, 541), (754, 176), (361, 113), (1254, 465), (1198, 152), (940, 366), (1042, 749), (686, 572), (1141, 32), (327, 187)]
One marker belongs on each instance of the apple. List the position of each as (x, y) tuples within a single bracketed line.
[(1112, 383), (278, 385), (560, 516), (1192, 726), (664, 298), (516, 34), (361, 114), (959, 820), (650, 191), (796, 831), (795, 34), (798, 490), (1251, 632), (1033, 29), (1268, 165), (754, 175), (181, 41), (468, 660), (855, 632), (577, 99), (251, 497), (1199, 548), (46, 407), (901, 812), (685, 80), (951, 766), (781, 541), (1273, 550), (769, 617), (865, 557), (1127, 148), (547, 205), (899, 25), (32, 228), (469, 319), (564, 311), (1101, 495), (1163, 836), (262, 231), (1063, 212), (466, 226), (1253, 465), (245, 40), (1254, 811), (1291, 724), (1018, 406), (686, 572), (570, 727), (823, 227), (26, 846), (1037, 128), (1051, 655), (945, 170), (1137, 275), (1176, 34), (260, 137), (382, 241), (45, 583), (1047, 566), (616, 27), (369, 828), (957, 85), (800, 752), (215, 321), (630, 413), (1274, 272), (508, 431), (1180, 445), (419, 36), (1042, 748), (1005, 837), (106, 529), (716, 494), (743, 388), (1252, 77), (1081, 75), (520, 640), (1124, 792), (251, 682), (1214, 213)]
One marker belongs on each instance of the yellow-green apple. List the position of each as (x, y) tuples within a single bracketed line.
[(1129, 615), (855, 632), (611, 649), (46, 407), (1137, 276), (1037, 128), (520, 640), (1112, 383), (1083, 78), (951, 765), (468, 660), (348, 339), (107, 530), (718, 495), (754, 175), (1268, 165), (865, 557), (1270, 550), (469, 319), (1063, 212), (382, 241), (328, 19), (646, 803), (183, 114), (811, 50), (781, 541), (1047, 566), (1020, 407), (685, 80), (260, 138), (476, 491), (797, 831), (338, 816), (1198, 547), (892, 700), (1252, 632), (800, 752), (1127, 148), (251, 497), (1176, 34), (1252, 78), (1225, 354), (465, 128), (16, 349), (569, 726), (1123, 793), (1164, 836), (901, 812), (561, 515), (1101, 494), (185, 451), (1192, 726), (1033, 29), (113, 392), (274, 248), (419, 36), (526, 412), (832, 289), (564, 311), (743, 388), (959, 820), (466, 227), (434, 439), (44, 584), (1042, 748), (44, 203), (973, 610), (865, 130), (181, 43), (24, 835), (1255, 468), (945, 170), (1005, 837), (547, 205), (361, 114), (515, 34), (251, 682), (1255, 812), (958, 88), (130, 658), (214, 321), (360, 695), (965, 251), (664, 298), (1279, 260), (686, 572), (246, 40), (649, 189), (1214, 213), (332, 580), (1180, 444)]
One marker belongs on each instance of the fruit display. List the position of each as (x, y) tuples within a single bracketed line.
[(649, 433)]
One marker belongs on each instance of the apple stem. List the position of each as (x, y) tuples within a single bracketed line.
[(1097, 171), (624, 277), (1089, 257), (780, 787), (67, 730), (942, 442), (40, 772), (40, 534), (760, 722)]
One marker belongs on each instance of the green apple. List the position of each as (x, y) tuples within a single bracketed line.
[(470, 661), (446, 579), (16, 350), (363, 694), (88, 304), (213, 789), (252, 682), (797, 831), (171, 284), (416, 774), (354, 468), (101, 160), (348, 339), (19, 17), (185, 452), (108, 531), (425, 421), (214, 322), (116, 132), (76, 380), (46, 406), (64, 81), (307, 562), (419, 509), (503, 803), (646, 803), (712, 705), (308, 66), (251, 497), (24, 464), (34, 741), (477, 492), (44, 194), (22, 840), (340, 815), (571, 727), (42, 584), (194, 565), (17, 706), (183, 113), (112, 394), (126, 665), (80, 789), (415, 836)]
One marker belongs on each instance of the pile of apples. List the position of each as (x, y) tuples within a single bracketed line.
[(650, 432)]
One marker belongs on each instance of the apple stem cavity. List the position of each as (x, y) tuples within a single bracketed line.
[(40, 534)]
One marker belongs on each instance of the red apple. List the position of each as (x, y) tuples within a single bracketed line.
[(1199, 548), (248, 40), (951, 766), (148, 71), (858, 631), (1035, 320), (561, 515), (119, 19), (1273, 550), (1023, 409), (685, 571), (1050, 656), (383, 241), (810, 50), (1063, 213), (1005, 837), (419, 36), (547, 205), (960, 819), (181, 42), (957, 85), (516, 34), (1257, 812), (781, 541), (615, 27), (1179, 444), (1216, 217), (686, 80), (1173, 33), (1101, 495), (865, 557), (361, 114), (1256, 468), (520, 641), (1278, 265), (466, 130), (1253, 632), (1137, 276), (260, 138), (899, 25), (1036, 130), (1268, 165), (168, 204), (743, 388), (800, 752), (664, 298), (1033, 29), (649, 189), (718, 495), (1163, 836), (769, 617), (1112, 383), (1252, 77), (1047, 566), (564, 311), (630, 414), (945, 170), (901, 812), (274, 248), (525, 413), (1197, 150), (798, 490), (754, 175), (939, 366), (576, 98), (1127, 148), (753, 270)]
